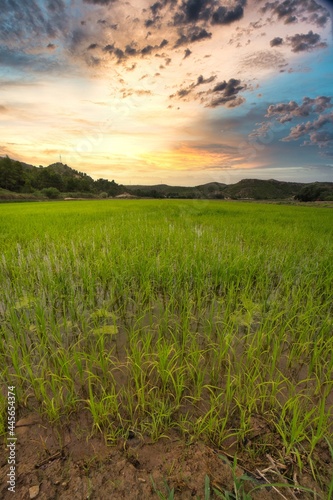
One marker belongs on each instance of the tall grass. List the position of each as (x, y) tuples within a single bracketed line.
[(151, 315)]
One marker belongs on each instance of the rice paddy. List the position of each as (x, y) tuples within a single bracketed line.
[(211, 319)]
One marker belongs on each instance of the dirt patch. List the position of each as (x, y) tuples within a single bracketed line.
[(63, 463)]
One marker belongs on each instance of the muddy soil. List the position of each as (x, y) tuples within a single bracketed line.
[(61, 462)]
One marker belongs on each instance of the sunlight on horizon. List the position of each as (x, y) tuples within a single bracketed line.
[(128, 93)]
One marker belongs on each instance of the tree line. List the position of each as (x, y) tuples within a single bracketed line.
[(316, 192), (25, 179)]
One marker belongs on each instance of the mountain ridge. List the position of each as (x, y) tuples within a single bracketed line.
[(58, 178)]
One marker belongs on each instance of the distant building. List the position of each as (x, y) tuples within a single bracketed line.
[(125, 196)]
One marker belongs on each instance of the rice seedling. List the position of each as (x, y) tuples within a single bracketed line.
[(158, 315), (170, 493)]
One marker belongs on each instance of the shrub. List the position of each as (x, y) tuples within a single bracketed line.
[(51, 192)]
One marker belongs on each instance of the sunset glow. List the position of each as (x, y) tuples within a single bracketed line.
[(179, 92)]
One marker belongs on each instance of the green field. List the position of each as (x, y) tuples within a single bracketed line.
[(212, 319)]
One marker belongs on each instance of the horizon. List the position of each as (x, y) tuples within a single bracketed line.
[(179, 185), (180, 93)]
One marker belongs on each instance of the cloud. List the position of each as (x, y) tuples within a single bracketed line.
[(222, 94), (100, 2), (163, 43), (55, 5), (187, 90), (155, 10), (229, 88), (111, 49), (27, 81), (77, 38), (305, 42), (151, 22), (34, 63), (229, 102), (183, 92), (263, 59), (283, 10), (262, 131), (322, 138), (306, 128), (30, 22), (105, 23), (193, 34), (201, 80), (285, 112), (291, 11), (276, 41), (319, 20), (92, 61), (147, 50), (193, 11), (226, 94), (316, 131), (156, 7), (316, 128), (130, 50), (130, 92), (224, 16)]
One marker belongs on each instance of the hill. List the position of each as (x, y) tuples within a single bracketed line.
[(63, 169), (322, 191), (262, 189), (52, 180), (246, 189), (210, 190), (60, 180)]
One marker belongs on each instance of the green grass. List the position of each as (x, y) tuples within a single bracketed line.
[(197, 316)]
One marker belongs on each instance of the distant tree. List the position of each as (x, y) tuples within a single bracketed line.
[(109, 187), (309, 193), (43, 179), (15, 177), (11, 174), (84, 185), (115, 188), (71, 184), (102, 185), (57, 181), (51, 192)]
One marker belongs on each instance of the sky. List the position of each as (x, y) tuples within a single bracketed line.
[(180, 92)]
